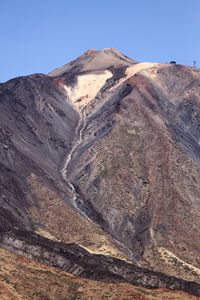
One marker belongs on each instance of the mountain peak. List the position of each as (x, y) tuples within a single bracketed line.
[(109, 51), (95, 60), (91, 51)]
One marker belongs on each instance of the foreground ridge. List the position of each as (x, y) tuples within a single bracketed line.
[(74, 259)]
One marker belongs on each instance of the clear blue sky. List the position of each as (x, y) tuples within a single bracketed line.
[(40, 35)]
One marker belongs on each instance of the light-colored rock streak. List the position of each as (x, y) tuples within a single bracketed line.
[(77, 142), (80, 95), (79, 131), (67, 159), (46, 234), (172, 259)]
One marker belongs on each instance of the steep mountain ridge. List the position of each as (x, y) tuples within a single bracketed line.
[(93, 154)]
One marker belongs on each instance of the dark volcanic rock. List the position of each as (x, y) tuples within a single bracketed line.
[(76, 260), (36, 125)]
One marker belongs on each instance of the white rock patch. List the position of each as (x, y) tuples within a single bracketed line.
[(172, 259), (46, 234), (86, 88), (146, 68), (132, 70)]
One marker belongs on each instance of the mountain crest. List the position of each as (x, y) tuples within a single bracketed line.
[(94, 60)]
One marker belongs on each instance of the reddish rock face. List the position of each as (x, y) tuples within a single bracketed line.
[(117, 174)]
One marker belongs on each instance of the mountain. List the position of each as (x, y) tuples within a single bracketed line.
[(100, 181)]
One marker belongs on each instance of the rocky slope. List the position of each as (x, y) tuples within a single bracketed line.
[(104, 153)]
